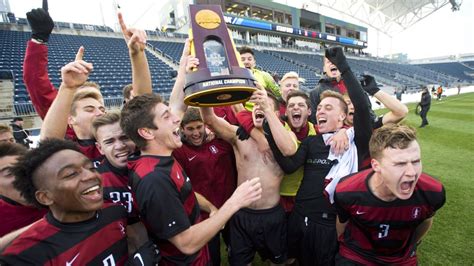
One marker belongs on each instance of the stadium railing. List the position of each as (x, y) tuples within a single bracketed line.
[(26, 108), (113, 102)]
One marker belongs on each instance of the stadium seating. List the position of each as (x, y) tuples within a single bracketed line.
[(470, 64), (265, 61), (398, 75), (172, 49), (455, 69), (112, 68), (280, 66), (112, 64)]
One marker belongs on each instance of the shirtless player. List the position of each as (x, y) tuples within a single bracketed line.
[(262, 226)]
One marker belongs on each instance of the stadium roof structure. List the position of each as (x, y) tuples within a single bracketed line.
[(387, 16)]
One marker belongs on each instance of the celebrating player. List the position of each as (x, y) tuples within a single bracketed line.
[(384, 212)]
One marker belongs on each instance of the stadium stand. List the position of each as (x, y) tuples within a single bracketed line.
[(394, 74), (265, 61), (112, 65), (274, 64), (109, 55), (463, 71), (470, 64), (173, 50)]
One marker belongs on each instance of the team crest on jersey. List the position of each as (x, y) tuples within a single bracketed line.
[(213, 149), (415, 213)]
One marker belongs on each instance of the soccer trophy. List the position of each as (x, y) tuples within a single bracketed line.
[(220, 79)]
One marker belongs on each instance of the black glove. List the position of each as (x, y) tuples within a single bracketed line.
[(147, 254), (41, 24), (336, 56), (242, 134), (369, 85)]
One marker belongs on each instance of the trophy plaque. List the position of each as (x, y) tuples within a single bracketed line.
[(220, 79)]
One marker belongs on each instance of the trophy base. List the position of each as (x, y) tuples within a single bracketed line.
[(218, 91), (219, 96)]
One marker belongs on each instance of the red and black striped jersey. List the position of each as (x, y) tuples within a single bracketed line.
[(18, 215), (166, 202), (116, 188), (381, 232), (210, 166), (101, 240)]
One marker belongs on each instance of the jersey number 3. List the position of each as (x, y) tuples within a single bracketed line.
[(383, 230)]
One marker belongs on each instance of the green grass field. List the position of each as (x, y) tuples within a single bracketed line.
[(447, 146)]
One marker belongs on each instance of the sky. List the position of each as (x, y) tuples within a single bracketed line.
[(440, 34)]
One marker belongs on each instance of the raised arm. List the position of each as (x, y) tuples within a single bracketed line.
[(363, 123), (314, 97), (398, 110), (73, 76), (285, 140), (177, 105), (136, 42), (237, 107), (222, 128), (35, 66), (288, 164)]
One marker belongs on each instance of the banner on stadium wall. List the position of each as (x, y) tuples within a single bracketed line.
[(262, 25)]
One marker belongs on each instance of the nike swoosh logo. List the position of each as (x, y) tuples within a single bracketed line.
[(69, 263), (139, 256), (359, 213), (192, 158)]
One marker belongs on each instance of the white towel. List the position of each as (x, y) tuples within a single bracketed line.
[(347, 163)]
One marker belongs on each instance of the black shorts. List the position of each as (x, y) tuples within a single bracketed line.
[(312, 242), (262, 231)]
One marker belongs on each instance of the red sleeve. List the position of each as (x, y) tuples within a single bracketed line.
[(35, 76), (245, 120), (227, 113)]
